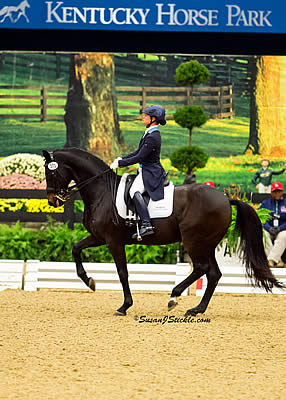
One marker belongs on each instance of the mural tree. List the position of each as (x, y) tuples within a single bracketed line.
[(268, 105), (188, 159), (189, 74), (91, 116)]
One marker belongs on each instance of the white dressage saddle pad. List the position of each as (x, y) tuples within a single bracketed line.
[(157, 209)]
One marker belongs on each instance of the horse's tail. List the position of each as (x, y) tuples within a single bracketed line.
[(251, 247)]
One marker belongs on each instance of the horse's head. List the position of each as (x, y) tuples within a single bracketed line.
[(58, 177)]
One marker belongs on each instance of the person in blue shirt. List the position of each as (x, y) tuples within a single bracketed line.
[(276, 227), (151, 174)]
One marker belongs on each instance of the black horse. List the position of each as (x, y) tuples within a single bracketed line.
[(201, 216)]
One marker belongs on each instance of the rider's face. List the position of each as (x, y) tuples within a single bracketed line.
[(146, 119)]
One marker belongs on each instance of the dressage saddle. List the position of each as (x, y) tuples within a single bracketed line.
[(128, 201)]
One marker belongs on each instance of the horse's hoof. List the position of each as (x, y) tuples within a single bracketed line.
[(120, 313), (91, 284), (191, 312), (172, 304)]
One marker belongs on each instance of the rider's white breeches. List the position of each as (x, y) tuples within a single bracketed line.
[(138, 185)]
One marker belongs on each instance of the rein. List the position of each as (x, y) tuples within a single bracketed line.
[(66, 194)]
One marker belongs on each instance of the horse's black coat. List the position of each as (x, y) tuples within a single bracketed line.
[(200, 219)]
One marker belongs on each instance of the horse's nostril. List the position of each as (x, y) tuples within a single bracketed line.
[(51, 199)]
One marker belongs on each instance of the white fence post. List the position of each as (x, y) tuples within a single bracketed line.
[(31, 277)]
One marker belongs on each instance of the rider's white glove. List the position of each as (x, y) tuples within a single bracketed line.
[(114, 164)]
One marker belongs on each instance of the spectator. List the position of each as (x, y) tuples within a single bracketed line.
[(209, 183), (264, 176), (276, 227)]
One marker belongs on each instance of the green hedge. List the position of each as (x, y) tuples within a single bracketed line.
[(54, 243)]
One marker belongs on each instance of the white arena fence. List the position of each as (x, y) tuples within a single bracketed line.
[(234, 279), (35, 275)]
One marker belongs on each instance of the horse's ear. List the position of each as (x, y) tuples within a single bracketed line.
[(47, 155)]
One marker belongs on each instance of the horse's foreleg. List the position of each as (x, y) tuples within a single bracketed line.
[(118, 253), (89, 241), (213, 276)]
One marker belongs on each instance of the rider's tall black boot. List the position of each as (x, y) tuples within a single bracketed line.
[(142, 210)]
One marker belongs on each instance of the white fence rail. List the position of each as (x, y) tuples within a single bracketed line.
[(62, 275)]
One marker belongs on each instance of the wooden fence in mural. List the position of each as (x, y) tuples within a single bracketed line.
[(131, 69), (47, 102)]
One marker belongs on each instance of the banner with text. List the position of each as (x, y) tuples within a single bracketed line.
[(242, 16)]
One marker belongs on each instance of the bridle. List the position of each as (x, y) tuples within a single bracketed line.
[(66, 194)]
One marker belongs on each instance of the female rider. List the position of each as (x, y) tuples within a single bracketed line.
[(151, 175)]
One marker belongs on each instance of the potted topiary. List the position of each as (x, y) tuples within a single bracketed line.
[(190, 117)]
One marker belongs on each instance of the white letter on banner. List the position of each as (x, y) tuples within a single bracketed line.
[(143, 15), (114, 17), (67, 12), (130, 16), (252, 18), (51, 11), (92, 14), (170, 13), (231, 15), (264, 18), (242, 17), (102, 16), (78, 13), (193, 14), (185, 17), (203, 17), (213, 14)]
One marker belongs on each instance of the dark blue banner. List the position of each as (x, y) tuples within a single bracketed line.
[(137, 15)]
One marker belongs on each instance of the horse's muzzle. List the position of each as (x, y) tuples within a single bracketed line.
[(54, 201)]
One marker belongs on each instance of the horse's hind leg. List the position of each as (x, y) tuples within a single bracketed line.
[(89, 241), (213, 275), (198, 271)]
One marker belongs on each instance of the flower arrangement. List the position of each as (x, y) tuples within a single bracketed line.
[(28, 205), (28, 164), (20, 181)]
